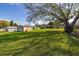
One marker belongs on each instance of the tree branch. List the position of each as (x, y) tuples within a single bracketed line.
[(75, 20)]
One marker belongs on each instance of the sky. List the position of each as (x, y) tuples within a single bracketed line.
[(15, 12)]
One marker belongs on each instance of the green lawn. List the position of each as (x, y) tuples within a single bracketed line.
[(38, 42)]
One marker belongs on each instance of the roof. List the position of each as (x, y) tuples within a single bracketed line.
[(12, 27), (27, 26)]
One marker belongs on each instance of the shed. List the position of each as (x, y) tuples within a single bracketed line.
[(27, 28), (11, 29), (18, 28)]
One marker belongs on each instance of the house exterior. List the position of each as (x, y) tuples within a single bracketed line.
[(11, 29), (27, 28), (18, 28), (2, 29)]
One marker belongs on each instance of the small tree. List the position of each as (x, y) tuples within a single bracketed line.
[(11, 23), (51, 23), (15, 24)]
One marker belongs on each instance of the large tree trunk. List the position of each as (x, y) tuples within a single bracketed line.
[(68, 28)]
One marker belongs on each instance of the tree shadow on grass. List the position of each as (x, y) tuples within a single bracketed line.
[(22, 35), (45, 42), (16, 36), (41, 40), (72, 41)]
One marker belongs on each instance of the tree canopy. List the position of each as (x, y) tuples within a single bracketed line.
[(12, 23), (61, 11), (4, 23)]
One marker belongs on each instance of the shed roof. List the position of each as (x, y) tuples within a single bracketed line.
[(11, 27)]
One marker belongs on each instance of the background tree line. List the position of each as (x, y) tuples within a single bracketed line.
[(4, 23)]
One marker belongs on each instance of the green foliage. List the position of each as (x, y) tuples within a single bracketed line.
[(51, 23), (4, 23), (11, 23), (56, 24), (38, 42), (15, 24)]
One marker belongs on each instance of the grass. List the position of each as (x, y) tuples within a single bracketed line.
[(38, 42)]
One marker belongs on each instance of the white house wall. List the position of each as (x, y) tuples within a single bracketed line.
[(11, 30)]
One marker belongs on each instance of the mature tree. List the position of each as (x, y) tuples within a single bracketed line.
[(4, 23), (61, 11)]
